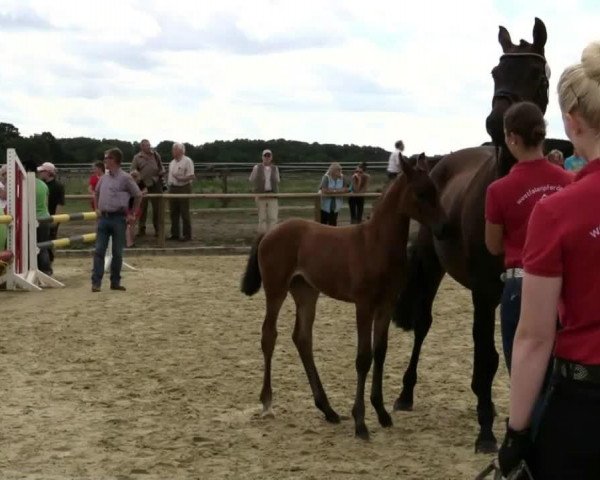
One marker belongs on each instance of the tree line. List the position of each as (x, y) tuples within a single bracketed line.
[(44, 147)]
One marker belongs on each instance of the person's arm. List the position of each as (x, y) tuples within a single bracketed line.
[(189, 172), (136, 193), (494, 222), (325, 185), (494, 238), (97, 194), (253, 173), (532, 346), (277, 174)]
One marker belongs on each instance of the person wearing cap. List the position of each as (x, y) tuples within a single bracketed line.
[(148, 162), (265, 179), (56, 197)]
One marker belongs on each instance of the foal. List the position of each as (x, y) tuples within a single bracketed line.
[(363, 264)]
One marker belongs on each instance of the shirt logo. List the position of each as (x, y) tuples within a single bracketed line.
[(543, 189), (595, 233)]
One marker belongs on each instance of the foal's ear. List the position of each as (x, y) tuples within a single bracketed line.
[(406, 167), (504, 39), (422, 162)]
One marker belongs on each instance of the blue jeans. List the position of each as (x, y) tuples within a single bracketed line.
[(112, 226), (510, 310)]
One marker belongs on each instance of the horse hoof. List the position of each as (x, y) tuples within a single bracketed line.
[(267, 413), (403, 405), (486, 446), (385, 420), (362, 432), (332, 417)]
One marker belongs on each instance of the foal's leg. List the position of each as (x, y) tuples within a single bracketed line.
[(306, 300), (364, 322), (380, 342), (269, 335)]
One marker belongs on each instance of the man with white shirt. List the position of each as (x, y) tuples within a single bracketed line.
[(265, 179), (181, 174), (394, 162)]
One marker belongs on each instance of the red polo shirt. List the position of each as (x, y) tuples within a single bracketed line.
[(510, 200), (563, 239)]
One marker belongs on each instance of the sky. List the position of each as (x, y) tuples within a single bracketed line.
[(365, 72)]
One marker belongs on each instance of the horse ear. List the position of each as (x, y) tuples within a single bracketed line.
[(422, 162), (539, 35), (406, 168), (504, 39)]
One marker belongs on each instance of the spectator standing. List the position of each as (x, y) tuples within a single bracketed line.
[(358, 184), (393, 168), (265, 179), (557, 158), (3, 228), (97, 172), (575, 162), (56, 198), (333, 182), (132, 225), (181, 175), (147, 161), (113, 192), (41, 210)]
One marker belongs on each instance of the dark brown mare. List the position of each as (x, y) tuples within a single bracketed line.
[(363, 264), (462, 179)]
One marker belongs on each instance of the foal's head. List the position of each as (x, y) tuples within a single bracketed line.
[(421, 200)]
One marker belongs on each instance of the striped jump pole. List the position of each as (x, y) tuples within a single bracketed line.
[(68, 217), (67, 241)]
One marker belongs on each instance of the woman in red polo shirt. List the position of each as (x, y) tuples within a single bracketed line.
[(561, 260), (510, 201)]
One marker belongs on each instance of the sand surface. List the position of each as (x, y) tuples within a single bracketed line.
[(162, 382)]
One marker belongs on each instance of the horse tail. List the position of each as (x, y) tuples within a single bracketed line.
[(252, 280), (404, 312)]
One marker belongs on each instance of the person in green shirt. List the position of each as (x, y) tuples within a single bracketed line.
[(41, 210)]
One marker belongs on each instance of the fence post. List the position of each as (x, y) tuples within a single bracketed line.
[(318, 209), (224, 174), (161, 221)]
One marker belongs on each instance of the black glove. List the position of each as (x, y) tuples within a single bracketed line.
[(514, 449)]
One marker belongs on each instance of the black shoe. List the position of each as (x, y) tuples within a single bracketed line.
[(173, 238), (95, 288), (118, 287)]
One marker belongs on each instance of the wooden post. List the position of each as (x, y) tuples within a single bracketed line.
[(224, 174), (318, 209), (161, 221)]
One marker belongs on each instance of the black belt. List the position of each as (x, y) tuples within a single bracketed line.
[(112, 214), (575, 371)]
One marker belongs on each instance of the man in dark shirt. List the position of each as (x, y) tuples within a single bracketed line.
[(56, 197)]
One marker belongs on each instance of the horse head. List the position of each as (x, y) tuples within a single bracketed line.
[(422, 200), (521, 75)]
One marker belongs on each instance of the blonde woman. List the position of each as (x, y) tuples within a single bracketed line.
[(561, 259), (333, 182)]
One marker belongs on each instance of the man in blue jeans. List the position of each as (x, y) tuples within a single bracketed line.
[(113, 191)]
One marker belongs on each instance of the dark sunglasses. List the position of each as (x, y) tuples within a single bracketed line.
[(267, 155)]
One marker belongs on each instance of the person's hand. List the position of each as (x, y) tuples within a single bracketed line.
[(514, 449)]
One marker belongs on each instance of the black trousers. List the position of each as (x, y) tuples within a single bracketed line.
[(43, 258), (567, 445), (180, 209), (329, 218), (155, 188), (53, 236), (357, 205)]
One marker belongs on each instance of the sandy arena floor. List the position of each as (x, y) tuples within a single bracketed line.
[(162, 382)]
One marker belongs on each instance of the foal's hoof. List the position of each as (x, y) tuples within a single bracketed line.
[(267, 413), (385, 420), (332, 417), (403, 405), (487, 445), (362, 432)]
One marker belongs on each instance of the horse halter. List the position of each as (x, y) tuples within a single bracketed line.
[(542, 89)]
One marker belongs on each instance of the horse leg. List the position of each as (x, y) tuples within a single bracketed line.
[(426, 272), (484, 367), (364, 355), (380, 343), (269, 336), (305, 298)]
